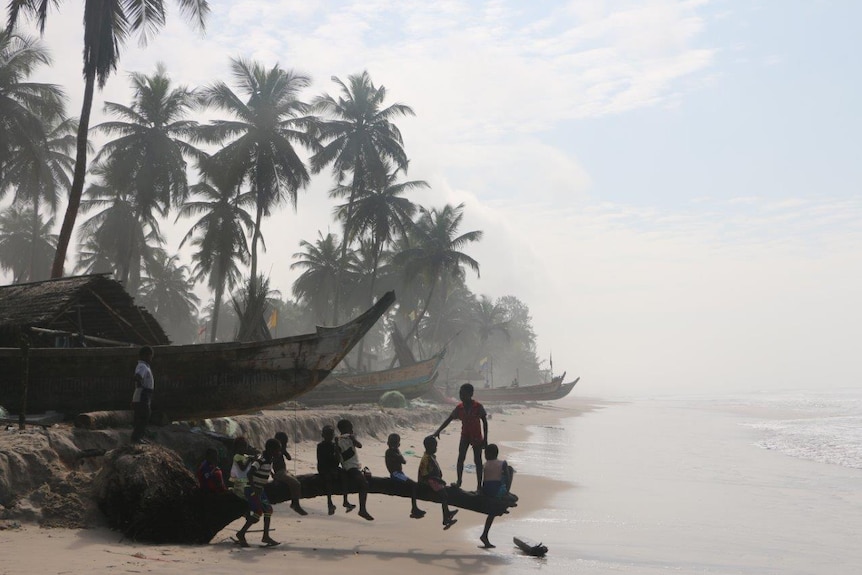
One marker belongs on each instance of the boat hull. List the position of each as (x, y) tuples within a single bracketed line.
[(411, 381), (192, 381)]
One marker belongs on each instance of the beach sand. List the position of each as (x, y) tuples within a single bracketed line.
[(343, 543)]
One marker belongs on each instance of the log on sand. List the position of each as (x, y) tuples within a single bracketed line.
[(149, 495)]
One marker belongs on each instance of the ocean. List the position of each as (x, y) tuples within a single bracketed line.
[(745, 484)]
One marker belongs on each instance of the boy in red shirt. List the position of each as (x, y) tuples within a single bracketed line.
[(474, 431)]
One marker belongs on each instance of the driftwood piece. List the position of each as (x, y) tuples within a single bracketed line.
[(149, 495)]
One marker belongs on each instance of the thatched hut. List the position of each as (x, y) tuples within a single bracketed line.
[(92, 311)]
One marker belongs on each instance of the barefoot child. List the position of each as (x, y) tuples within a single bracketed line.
[(329, 468), (474, 431), (347, 445), (259, 474), (498, 482), (394, 464), (282, 475), (431, 475)]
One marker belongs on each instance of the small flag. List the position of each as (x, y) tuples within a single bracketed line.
[(273, 319), (412, 315), (202, 332), (483, 364)]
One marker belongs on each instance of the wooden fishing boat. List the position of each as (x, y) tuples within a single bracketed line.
[(517, 394), (192, 381), (562, 392), (342, 395)]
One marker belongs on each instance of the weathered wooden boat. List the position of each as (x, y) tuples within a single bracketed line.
[(192, 381), (517, 394), (342, 395), (412, 381), (562, 392)]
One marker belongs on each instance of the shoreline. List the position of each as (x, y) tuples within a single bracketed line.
[(392, 543)]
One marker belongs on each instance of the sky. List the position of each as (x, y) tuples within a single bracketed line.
[(671, 186)]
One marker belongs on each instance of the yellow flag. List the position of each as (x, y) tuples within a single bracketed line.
[(273, 319)]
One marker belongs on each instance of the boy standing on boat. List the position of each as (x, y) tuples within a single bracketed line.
[(474, 431), (141, 399)]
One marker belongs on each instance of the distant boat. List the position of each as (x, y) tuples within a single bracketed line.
[(548, 391), (411, 381), (192, 381)]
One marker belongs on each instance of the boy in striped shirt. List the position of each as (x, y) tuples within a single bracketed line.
[(259, 474)]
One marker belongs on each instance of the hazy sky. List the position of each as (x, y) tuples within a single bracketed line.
[(673, 187)]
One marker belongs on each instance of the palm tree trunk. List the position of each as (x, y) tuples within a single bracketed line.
[(217, 306), (357, 181), (418, 319), (361, 350), (254, 239), (78, 180), (33, 237)]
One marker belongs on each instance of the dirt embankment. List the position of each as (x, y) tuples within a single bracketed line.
[(46, 475)]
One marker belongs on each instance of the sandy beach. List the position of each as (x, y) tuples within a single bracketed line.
[(343, 543)]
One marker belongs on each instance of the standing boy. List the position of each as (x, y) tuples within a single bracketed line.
[(474, 431), (259, 474), (143, 395)]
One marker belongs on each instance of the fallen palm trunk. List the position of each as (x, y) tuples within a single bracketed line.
[(149, 495), (114, 418)]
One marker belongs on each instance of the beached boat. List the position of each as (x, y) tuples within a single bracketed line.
[(517, 393), (412, 381), (192, 381), (560, 393)]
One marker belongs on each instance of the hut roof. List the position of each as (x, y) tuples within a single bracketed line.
[(92, 305)]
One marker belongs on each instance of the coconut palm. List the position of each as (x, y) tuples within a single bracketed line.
[(322, 264), (357, 135), (23, 241), (93, 258), (251, 305), (435, 254), (107, 25), (167, 290), (380, 214), (125, 232), (219, 237), (268, 120), (150, 144), (25, 106), (39, 171)]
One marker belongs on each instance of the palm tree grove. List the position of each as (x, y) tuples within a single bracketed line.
[(158, 167)]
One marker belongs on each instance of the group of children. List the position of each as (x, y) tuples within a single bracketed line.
[(338, 461)]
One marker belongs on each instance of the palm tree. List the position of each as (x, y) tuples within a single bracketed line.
[(37, 172), (323, 265), (269, 120), (150, 144), (358, 135), (93, 258), (124, 232), (250, 305), (23, 241), (435, 254), (25, 107), (219, 237), (107, 25), (380, 214), (168, 292)]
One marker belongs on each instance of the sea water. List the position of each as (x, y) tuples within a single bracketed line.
[(748, 484)]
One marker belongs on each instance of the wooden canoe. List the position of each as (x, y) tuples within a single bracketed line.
[(517, 394), (412, 381), (191, 381)]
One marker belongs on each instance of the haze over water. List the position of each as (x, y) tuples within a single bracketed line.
[(749, 484)]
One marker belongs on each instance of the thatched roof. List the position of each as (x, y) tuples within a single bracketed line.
[(94, 305)]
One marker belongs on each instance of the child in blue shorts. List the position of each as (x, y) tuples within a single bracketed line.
[(394, 464)]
